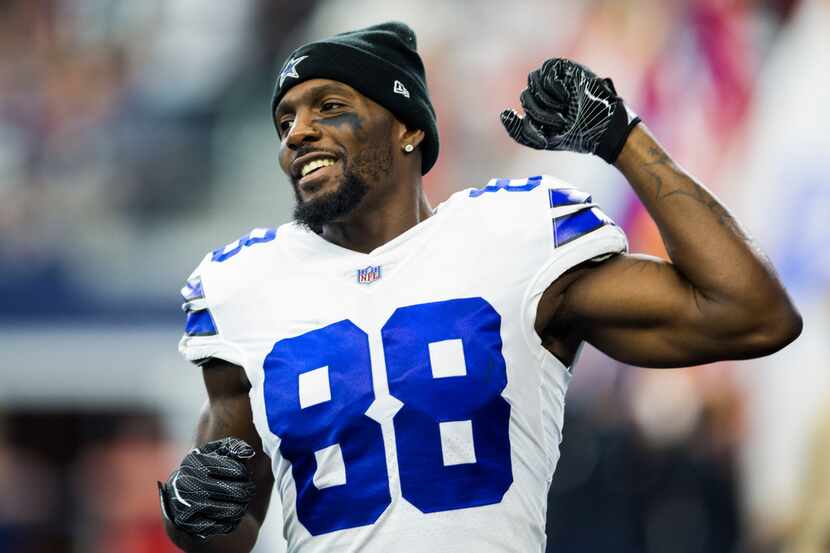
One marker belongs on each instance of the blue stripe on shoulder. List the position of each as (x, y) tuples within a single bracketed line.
[(504, 184), (572, 226), (568, 196), (200, 323), (256, 236)]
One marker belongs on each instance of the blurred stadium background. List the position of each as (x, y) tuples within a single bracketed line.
[(135, 136)]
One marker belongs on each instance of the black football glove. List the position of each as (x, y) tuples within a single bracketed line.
[(209, 493), (569, 108)]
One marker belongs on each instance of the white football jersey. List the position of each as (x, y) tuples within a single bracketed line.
[(403, 396)]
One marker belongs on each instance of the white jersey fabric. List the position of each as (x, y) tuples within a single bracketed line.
[(403, 396)]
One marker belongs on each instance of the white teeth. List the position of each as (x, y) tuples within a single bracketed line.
[(316, 164)]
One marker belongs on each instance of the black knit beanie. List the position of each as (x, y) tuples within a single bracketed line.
[(382, 63)]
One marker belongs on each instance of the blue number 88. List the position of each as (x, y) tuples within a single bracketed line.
[(439, 400)]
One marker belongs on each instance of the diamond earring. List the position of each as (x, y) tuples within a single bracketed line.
[(408, 148)]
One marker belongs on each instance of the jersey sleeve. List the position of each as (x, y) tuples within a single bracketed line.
[(579, 231), (541, 227), (202, 339)]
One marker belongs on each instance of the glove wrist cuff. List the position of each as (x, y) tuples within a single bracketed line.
[(622, 123)]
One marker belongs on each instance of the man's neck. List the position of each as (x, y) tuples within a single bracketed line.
[(373, 226)]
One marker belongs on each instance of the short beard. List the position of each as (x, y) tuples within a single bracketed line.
[(372, 165), (329, 207)]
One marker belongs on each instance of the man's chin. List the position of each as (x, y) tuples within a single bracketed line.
[(318, 185), (325, 207), (317, 191)]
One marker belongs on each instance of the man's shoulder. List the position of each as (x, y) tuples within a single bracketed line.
[(236, 250), (515, 204), (541, 224), (504, 194), (230, 266)]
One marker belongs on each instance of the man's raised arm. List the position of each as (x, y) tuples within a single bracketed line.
[(718, 298)]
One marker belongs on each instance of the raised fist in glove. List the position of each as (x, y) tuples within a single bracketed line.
[(569, 108), (209, 493)]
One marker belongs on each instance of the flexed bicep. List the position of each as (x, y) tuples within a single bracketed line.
[(641, 310)]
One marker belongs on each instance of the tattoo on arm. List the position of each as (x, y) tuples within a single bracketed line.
[(685, 186), (659, 159)]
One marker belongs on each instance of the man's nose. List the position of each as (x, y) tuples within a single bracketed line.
[(303, 130)]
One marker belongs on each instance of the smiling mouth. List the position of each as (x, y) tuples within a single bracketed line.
[(316, 164), (314, 174)]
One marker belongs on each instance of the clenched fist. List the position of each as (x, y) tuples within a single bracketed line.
[(569, 108), (209, 493)]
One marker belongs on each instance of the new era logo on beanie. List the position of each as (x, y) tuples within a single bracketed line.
[(368, 60), (399, 88)]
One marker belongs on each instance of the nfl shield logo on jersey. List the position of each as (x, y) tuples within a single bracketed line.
[(368, 275)]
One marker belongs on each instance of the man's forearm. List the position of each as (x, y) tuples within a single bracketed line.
[(704, 241), (241, 540), (228, 413)]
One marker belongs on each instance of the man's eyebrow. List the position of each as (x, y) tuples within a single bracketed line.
[(312, 95)]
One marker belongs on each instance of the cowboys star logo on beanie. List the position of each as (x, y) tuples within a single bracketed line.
[(382, 63), (290, 69)]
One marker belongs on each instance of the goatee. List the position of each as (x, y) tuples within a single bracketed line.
[(329, 207)]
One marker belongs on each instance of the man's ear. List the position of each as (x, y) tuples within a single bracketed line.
[(410, 136)]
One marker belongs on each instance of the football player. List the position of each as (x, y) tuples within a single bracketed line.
[(397, 372)]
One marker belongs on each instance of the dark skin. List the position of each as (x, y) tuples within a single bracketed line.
[(327, 116), (717, 298)]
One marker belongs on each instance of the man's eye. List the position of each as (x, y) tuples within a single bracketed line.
[(330, 105), (285, 125)]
